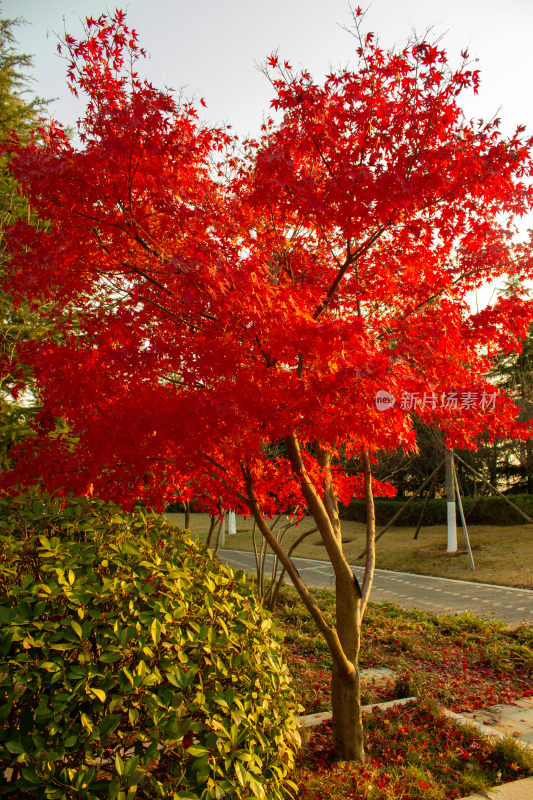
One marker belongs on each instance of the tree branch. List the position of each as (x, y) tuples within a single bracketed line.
[(330, 498), (329, 633), (350, 259), (318, 510), (370, 535)]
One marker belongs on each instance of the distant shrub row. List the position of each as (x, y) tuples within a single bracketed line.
[(490, 510)]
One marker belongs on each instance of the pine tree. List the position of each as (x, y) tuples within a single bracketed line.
[(19, 116), (514, 374)]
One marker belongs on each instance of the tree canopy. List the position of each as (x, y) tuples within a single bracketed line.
[(230, 295)]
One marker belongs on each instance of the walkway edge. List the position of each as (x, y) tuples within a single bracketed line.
[(515, 790), (486, 730)]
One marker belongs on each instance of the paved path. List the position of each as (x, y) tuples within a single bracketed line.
[(440, 595), (516, 790), (511, 720)]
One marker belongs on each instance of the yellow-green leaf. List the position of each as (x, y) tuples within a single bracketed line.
[(99, 694), (155, 630)]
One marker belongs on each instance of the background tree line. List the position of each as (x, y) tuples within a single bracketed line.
[(506, 463)]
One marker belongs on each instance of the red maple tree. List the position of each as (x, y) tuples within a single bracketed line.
[(219, 298)]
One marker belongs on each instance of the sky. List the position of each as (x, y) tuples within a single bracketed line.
[(212, 49)]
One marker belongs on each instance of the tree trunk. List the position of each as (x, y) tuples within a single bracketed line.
[(346, 690), (212, 523), (347, 720), (343, 639), (529, 466)]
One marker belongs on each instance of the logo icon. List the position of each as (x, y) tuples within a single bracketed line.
[(384, 400)]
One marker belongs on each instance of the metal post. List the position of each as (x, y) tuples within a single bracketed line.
[(232, 524), (450, 504), (463, 522)]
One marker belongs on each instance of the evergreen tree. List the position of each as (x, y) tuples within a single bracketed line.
[(19, 115), (514, 373)]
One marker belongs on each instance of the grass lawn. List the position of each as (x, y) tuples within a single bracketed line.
[(502, 555), (460, 662)]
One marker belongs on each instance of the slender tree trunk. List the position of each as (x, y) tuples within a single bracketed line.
[(187, 516), (529, 466), (212, 523), (346, 691), (343, 639), (219, 531), (370, 561)]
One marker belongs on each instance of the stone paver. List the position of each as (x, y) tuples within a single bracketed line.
[(377, 677), (510, 720), (498, 721)]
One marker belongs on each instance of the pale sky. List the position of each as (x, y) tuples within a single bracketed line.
[(211, 47)]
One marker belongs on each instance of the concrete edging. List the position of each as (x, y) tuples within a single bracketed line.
[(313, 720)]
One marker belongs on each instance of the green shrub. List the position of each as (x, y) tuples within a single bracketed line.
[(132, 664), (490, 510), (494, 510)]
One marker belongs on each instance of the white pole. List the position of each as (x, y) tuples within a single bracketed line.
[(450, 505), (463, 521), (232, 523)]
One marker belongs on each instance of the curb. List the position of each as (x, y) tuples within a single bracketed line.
[(313, 720)]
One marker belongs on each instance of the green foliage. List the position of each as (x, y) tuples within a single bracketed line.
[(14, 427), (132, 663), (19, 116), (489, 510)]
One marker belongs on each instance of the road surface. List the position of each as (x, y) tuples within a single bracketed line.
[(439, 595)]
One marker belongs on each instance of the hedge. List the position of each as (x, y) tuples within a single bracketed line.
[(132, 664), (489, 510)]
